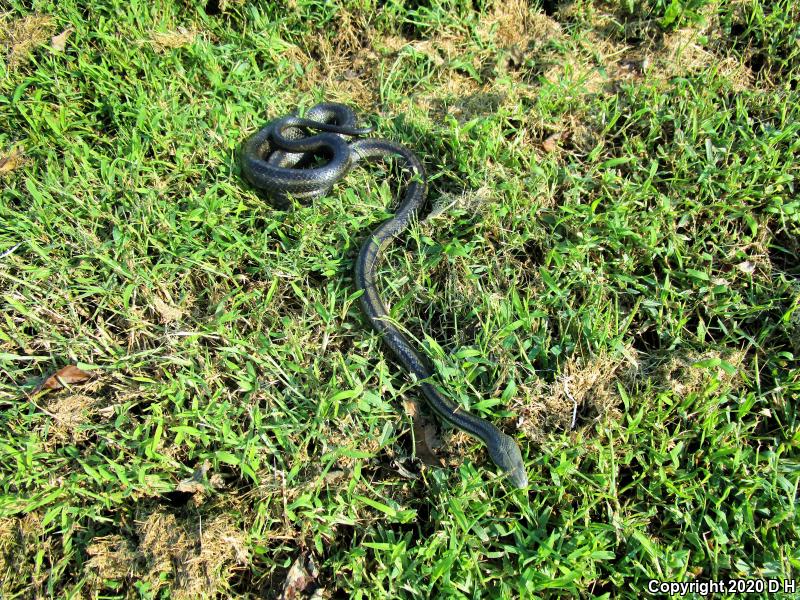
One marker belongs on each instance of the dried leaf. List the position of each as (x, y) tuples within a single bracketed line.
[(106, 412), (64, 377), (301, 575), (195, 483), (746, 267), (217, 481), (412, 408), (11, 161), (551, 143), (167, 312), (425, 438), (332, 477), (59, 42)]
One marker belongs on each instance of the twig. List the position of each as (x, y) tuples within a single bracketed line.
[(574, 404)]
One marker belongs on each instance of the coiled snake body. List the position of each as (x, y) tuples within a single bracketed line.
[(277, 160)]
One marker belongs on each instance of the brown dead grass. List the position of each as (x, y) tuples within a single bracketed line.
[(20, 36), (586, 387), (190, 556), (663, 56), (169, 40), (517, 31), (471, 201), (591, 386), (69, 412), (602, 59), (528, 44), (346, 67), (20, 540), (681, 53), (111, 557), (682, 378), (514, 24), (350, 66)]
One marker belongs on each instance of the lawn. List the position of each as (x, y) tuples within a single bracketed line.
[(608, 271)]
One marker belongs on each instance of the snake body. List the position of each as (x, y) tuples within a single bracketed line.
[(278, 160)]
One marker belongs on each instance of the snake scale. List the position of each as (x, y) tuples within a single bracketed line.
[(280, 160)]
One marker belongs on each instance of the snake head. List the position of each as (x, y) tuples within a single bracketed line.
[(506, 454)]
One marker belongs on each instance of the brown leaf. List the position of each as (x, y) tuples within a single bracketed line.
[(217, 481), (64, 377), (425, 438), (551, 143), (332, 477), (195, 483), (167, 312), (11, 161), (301, 574), (59, 42)]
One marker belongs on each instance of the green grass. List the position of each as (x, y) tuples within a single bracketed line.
[(647, 264)]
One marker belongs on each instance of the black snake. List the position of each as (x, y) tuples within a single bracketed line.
[(279, 160)]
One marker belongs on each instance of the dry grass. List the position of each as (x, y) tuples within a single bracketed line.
[(111, 557), (683, 53), (515, 25), (681, 375), (586, 391), (345, 67), (474, 201), (191, 557), (68, 413), (20, 540), (21, 36), (168, 40)]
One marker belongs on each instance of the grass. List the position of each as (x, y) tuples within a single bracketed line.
[(615, 228)]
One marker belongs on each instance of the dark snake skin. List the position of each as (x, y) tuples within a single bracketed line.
[(278, 160)]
